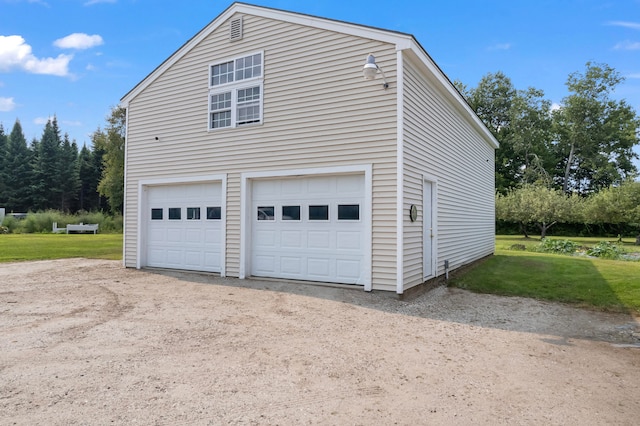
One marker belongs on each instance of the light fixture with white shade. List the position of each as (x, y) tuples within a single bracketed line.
[(371, 69)]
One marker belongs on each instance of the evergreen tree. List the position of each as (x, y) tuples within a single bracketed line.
[(18, 171), (89, 177), (4, 140), (69, 175), (46, 187)]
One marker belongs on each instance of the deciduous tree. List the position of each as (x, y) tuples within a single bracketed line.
[(595, 134), (112, 143)]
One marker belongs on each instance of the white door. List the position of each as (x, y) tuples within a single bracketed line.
[(309, 228), (427, 228), (183, 226)]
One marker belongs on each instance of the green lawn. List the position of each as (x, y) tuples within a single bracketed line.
[(604, 284), (21, 247), (612, 285)]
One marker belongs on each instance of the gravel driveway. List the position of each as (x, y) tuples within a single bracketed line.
[(89, 342)]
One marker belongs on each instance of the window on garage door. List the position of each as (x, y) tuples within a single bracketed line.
[(175, 213)]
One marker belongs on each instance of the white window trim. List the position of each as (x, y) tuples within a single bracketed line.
[(234, 87), (246, 84), (233, 59)]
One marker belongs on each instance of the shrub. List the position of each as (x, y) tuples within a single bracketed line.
[(42, 222), (557, 246), (606, 250), (12, 224)]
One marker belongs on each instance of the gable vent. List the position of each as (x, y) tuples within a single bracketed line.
[(235, 29)]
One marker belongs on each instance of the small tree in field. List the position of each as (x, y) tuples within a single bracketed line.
[(538, 205), (616, 204)]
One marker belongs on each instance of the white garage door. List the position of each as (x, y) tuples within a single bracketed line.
[(309, 228), (184, 226)]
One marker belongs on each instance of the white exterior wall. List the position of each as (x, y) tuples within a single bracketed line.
[(318, 112), (441, 143)]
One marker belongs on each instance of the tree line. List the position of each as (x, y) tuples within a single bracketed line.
[(52, 173), (567, 163), (581, 146)]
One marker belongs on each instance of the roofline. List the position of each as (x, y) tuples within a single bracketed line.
[(402, 41)]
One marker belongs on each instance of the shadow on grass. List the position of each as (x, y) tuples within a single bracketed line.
[(558, 322)]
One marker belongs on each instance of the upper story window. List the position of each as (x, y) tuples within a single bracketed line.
[(235, 92)]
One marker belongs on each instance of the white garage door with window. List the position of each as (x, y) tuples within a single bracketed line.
[(309, 228), (184, 224)]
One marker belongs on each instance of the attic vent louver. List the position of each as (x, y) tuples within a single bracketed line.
[(235, 29)]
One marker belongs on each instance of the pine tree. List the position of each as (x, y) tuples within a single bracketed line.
[(69, 175), (4, 140), (46, 188), (18, 171)]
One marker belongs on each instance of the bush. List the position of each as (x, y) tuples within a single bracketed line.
[(557, 246), (606, 250), (12, 224), (42, 222), (36, 223)]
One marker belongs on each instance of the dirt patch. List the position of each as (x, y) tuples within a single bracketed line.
[(89, 342)]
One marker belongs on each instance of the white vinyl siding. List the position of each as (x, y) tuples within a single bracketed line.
[(441, 143), (315, 114)]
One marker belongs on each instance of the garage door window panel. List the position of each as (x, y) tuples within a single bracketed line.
[(156, 214), (193, 213), (319, 213), (175, 213), (291, 213), (348, 212), (266, 213), (214, 213)]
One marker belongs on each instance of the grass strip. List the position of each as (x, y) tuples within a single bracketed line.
[(25, 247)]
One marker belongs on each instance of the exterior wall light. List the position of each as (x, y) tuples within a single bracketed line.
[(371, 69)]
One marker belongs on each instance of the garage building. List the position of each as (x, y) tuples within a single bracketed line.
[(282, 145)]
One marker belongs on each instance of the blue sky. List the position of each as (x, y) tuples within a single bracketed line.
[(77, 58)]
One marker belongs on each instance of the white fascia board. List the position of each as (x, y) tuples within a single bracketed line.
[(448, 86), (176, 56), (401, 41), (325, 24)]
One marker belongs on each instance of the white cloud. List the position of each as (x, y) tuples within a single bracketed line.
[(41, 121), (555, 106), (500, 46), (78, 41), (626, 24), (7, 104), (16, 54), (627, 45), (92, 2), (633, 75)]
